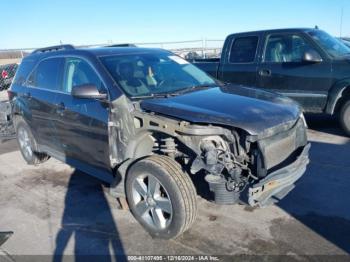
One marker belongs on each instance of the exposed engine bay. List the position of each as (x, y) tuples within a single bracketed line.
[(232, 160)]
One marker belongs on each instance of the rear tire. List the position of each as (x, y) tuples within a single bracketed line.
[(344, 117), (161, 196), (28, 145)]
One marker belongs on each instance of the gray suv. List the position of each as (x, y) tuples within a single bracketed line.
[(147, 122)]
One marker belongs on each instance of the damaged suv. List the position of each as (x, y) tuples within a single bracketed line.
[(146, 122)]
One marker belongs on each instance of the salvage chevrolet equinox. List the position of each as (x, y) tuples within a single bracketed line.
[(146, 121)]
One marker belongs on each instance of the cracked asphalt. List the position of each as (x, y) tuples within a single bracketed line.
[(54, 209)]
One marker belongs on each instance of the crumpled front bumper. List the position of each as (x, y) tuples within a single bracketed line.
[(278, 184)]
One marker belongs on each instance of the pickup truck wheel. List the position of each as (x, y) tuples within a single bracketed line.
[(161, 196), (27, 145), (345, 117)]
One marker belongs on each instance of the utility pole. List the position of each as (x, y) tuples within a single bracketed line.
[(341, 21)]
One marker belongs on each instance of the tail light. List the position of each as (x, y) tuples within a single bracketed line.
[(10, 94)]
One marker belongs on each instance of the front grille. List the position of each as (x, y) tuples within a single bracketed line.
[(279, 147)]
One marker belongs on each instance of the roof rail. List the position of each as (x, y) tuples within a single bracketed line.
[(122, 45), (53, 48)]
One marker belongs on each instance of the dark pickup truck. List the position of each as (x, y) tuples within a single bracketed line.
[(307, 65)]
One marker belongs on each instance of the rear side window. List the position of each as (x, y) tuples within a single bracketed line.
[(47, 74), (23, 71), (243, 49)]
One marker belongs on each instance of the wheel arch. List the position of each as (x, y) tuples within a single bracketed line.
[(141, 146), (17, 118), (337, 95), (143, 143)]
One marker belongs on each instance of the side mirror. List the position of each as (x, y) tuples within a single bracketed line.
[(87, 91), (312, 56)]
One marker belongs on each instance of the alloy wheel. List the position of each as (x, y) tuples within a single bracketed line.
[(152, 202), (25, 142)]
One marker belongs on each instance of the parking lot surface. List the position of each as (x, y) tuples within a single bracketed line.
[(53, 209)]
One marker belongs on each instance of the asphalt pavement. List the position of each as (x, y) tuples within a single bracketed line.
[(53, 210)]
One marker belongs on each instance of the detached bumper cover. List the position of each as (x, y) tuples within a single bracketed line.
[(278, 184)]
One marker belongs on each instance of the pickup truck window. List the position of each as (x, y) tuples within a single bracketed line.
[(330, 44), (154, 73), (285, 48), (243, 49)]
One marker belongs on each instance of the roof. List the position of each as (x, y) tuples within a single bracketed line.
[(277, 30), (103, 51), (99, 51)]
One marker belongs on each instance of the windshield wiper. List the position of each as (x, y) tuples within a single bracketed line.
[(175, 93), (151, 95), (190, 88)]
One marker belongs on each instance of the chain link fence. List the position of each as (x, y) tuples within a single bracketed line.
[(203, 48), (7, 72)]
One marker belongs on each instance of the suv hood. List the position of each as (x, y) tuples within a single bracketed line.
[(255, 111)]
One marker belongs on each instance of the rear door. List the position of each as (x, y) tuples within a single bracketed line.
[(240, 63), (39, 98), (283, 70), (83, 123)]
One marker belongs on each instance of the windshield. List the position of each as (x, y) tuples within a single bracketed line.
[(330, 44), (149, 74)]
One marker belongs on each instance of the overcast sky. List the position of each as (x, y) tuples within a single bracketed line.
[(35, 23)]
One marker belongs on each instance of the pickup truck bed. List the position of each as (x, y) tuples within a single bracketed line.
[(211, 65)]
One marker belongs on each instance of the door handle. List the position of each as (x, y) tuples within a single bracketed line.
[(60, 108), (265, 72), (27, 95)]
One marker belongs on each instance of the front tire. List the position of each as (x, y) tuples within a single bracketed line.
[(344, 117), (27, 145), (161, 196)]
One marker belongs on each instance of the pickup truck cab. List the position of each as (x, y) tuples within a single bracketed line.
[(307, 65), (145, 121)]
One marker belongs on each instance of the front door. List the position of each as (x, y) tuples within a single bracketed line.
[(83, 124), (283, 70)]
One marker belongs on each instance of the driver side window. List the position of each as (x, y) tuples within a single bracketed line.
[(285, 48), (79, 72)]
